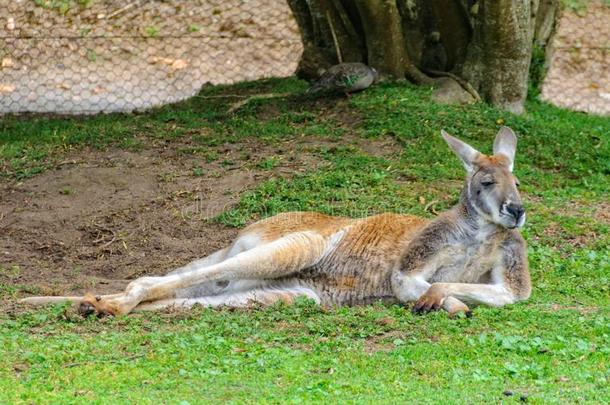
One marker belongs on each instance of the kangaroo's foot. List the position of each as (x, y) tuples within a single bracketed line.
[(142, 289), (102, 306)]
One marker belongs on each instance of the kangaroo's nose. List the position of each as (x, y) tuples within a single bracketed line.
[(516, 210)]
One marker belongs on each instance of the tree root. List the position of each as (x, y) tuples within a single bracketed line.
[(417, 76), (239, 104)]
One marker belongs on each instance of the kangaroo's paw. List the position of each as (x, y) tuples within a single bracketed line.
[(432, 300)]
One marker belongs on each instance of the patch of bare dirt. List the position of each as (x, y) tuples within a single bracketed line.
[(103, 218), (116, 215), (383, 342), (602, 213), (582, 309)]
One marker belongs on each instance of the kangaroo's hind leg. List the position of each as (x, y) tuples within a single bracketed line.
[(214, 258), (240, 245), (271, 260), (240, 299)]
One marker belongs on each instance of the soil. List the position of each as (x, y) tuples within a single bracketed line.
[(115, 215), (104, 217)]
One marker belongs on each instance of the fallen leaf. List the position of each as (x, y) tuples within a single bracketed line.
[(174, 64), (422, 200), (7, 62), (6, 88), (19, 368), (179, 64)]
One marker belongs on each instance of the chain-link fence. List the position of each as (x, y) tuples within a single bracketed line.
[(579, 73), (89, 56)]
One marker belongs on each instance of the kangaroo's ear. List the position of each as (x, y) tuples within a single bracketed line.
[(506, 144), (467, 154)]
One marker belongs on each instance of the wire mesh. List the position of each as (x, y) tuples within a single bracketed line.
[(90, 56), (579, 71)]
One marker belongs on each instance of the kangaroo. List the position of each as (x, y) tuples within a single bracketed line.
[(471, 254)]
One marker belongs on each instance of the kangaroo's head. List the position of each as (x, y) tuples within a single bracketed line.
[(491, 187)]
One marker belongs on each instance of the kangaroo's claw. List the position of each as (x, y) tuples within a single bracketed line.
[(432, 300)]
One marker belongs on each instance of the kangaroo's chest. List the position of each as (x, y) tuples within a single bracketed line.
[(469, 262)]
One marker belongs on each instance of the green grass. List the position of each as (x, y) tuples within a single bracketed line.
[(554, 348)]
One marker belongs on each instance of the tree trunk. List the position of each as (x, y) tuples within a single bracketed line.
[(383, 34), (484, 44), (499, 55)]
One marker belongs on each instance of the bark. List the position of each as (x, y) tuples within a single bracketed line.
[(315, 55), (384, 40), (451, 20), (545, 21), (487, 44), (498, 59)]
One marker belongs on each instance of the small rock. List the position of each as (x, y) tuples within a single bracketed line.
[(448, 91), (508, 393), (10, 23)]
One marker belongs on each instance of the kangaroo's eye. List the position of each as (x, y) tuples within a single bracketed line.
[(488, 183)]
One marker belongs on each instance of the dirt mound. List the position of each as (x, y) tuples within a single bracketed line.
[(109, 219)]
